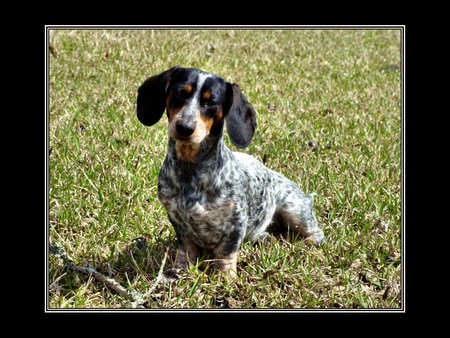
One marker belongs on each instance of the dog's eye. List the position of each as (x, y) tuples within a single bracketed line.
[(184, 91), (181, 92), (209, 103)]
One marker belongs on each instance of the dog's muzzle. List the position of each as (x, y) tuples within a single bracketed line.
[(184, 128)]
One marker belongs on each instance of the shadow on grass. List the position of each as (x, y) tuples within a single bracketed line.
[(135, 266), (142, 257)]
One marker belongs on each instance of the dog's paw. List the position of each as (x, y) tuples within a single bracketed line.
[(316, 238)]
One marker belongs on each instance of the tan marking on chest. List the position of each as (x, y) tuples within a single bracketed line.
[(187, 151)]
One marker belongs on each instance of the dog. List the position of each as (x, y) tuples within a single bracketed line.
[(215, 198)]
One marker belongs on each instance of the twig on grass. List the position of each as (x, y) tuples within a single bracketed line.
[(110, 282), (137, 298), (141, 299)]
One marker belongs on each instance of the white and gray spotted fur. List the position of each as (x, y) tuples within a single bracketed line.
[(229, 197)]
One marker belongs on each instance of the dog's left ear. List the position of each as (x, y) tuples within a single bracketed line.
[(241, 117), (151, 98)]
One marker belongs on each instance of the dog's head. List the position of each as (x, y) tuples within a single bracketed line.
[(197, 103)]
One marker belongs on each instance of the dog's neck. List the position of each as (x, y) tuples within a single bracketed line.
[(209, 156)]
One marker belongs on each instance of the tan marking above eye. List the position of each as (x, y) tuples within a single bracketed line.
[(188, 88), (207, 95)]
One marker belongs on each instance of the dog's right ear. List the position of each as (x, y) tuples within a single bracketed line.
[(151, 98)]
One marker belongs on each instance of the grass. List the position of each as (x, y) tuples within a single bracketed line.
[(337, 89)]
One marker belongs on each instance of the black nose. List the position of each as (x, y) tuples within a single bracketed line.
[(184, 128)]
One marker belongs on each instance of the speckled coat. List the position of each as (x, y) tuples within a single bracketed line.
[(215, 199)]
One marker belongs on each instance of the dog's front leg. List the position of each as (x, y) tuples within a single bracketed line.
[(226, 263), (226, 254), (187, 253)]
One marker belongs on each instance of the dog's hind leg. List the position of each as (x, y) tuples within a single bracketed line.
[(295, 214)]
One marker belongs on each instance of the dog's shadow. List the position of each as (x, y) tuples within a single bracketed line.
[(141, 258)]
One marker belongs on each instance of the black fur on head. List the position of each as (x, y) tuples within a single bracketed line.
[(238, 112), (241, 117), (151, 97)]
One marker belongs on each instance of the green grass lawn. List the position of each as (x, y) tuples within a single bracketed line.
[(329, 118)]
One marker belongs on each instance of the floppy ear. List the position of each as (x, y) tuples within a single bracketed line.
[(151, 98), (241, 117)]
